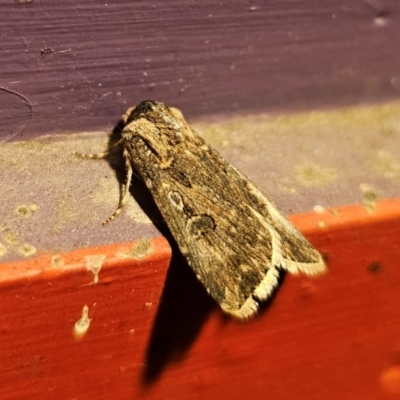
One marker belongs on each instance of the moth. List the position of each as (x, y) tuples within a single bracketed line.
[(232, 236)]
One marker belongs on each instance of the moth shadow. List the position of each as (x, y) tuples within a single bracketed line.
[(183, 310), (185, 304)]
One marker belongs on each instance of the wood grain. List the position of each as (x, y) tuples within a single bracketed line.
[(80, 64)]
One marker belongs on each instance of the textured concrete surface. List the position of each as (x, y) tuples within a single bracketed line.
[(53, 201)]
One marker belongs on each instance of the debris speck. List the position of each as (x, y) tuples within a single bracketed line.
[(82, 325), (94, 264)]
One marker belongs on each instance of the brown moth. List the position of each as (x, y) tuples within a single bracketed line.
[(232, 236)]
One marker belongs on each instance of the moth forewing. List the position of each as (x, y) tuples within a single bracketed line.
[(296, 253), (233, 237)]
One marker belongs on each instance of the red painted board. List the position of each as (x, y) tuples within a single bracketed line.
[(42, 356), (336, 336)]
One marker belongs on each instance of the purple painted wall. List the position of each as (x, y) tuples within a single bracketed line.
[(80, 64)]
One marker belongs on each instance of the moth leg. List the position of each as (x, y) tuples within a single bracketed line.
[(125, 189), (98, 156), (104, 154)]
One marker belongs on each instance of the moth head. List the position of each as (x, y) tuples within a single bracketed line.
[(144, 109), (168, 120)]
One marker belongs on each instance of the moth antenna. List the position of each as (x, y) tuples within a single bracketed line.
[(125, 189), (99, 156)]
